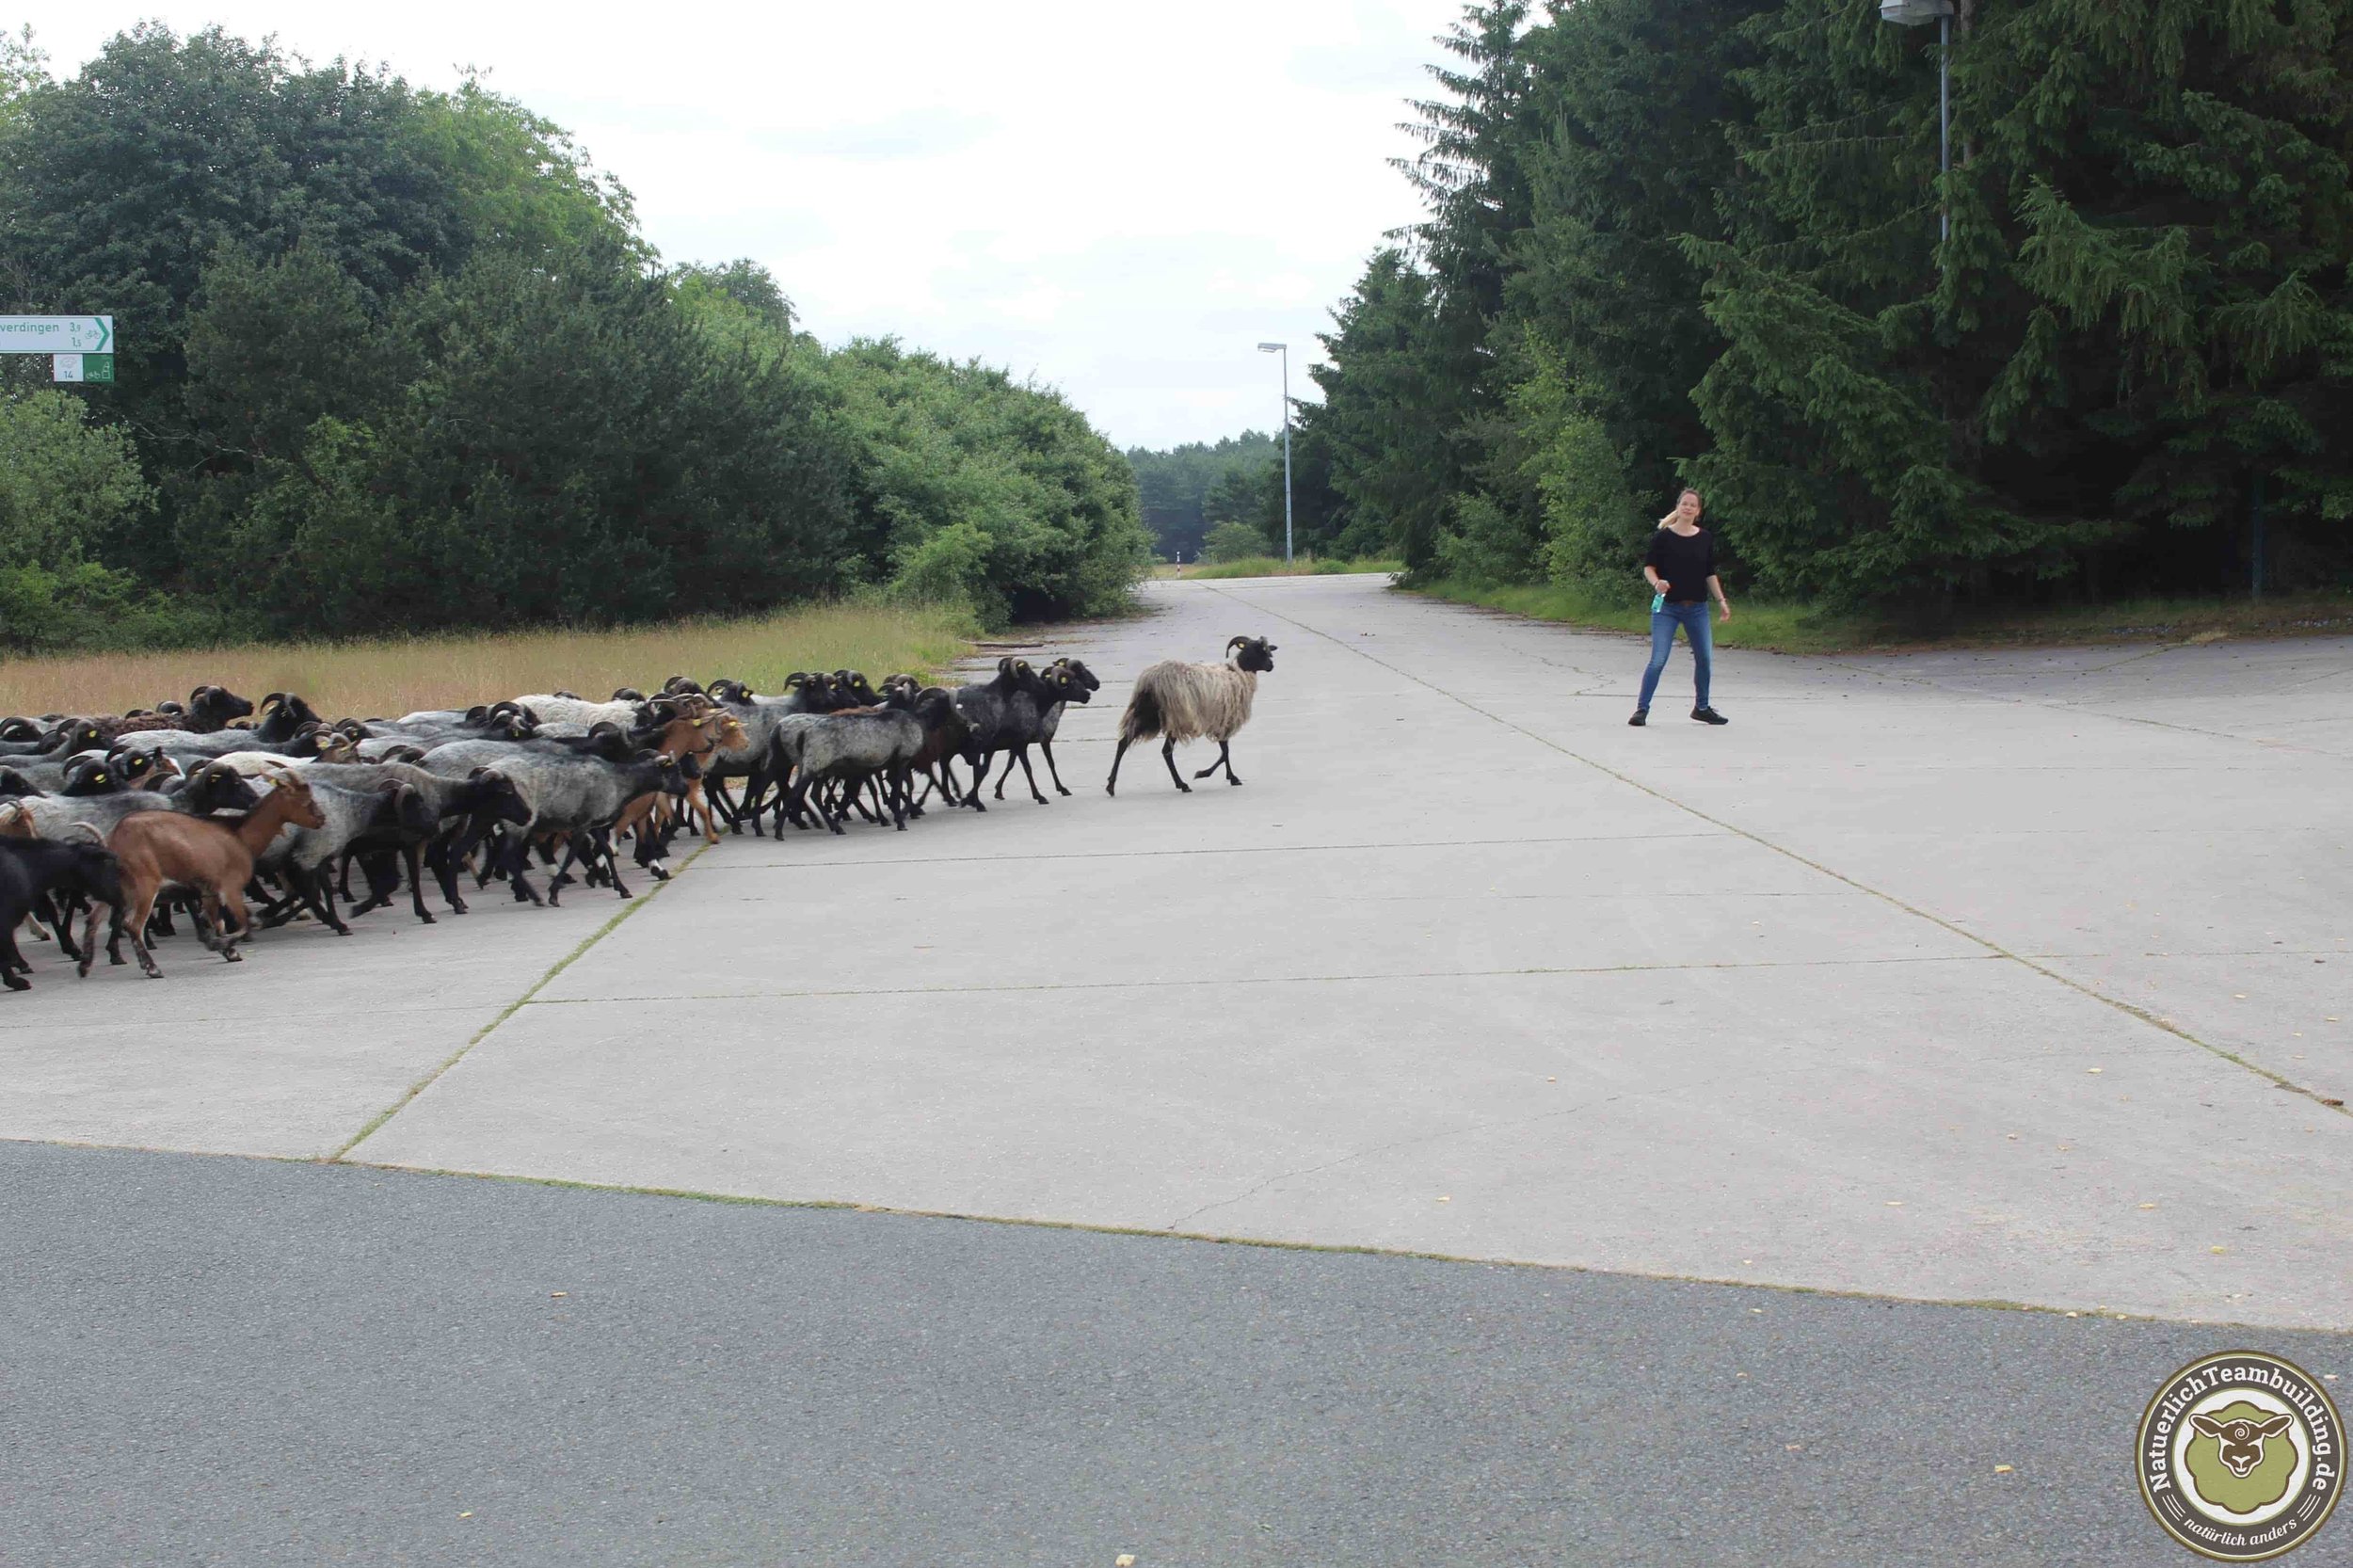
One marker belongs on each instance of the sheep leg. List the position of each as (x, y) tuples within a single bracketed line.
[(1052, 771), (612, 865), (1168, 755), (443, 860), (318, 894), (413, 853), (59, 917), (1021, 754), (1111, 786), (518, 862), (978, 761), (1224, 761), (12, 961)]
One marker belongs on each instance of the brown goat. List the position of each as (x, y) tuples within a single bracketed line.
[(159, 849), (700, 738)]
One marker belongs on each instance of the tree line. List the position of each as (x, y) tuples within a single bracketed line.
[(393, 359), (1698, 241)]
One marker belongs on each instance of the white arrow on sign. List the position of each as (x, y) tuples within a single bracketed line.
[(56, 334)]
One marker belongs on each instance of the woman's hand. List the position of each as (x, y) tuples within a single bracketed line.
[(1724, 607)]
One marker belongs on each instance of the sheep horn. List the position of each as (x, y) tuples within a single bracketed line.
[(95, 837)]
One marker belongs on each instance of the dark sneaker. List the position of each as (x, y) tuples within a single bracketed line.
[(1642, 717), (1709, 715)]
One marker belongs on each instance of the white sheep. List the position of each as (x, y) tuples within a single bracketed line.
[(1194, 702)]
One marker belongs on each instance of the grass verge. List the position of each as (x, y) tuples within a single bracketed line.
[(1799, 629), (399, 675), (1269, 565)]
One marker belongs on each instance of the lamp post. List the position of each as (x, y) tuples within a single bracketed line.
[(1285, 351), (1915, 13)]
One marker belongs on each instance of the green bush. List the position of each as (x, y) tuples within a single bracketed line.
[(1233, 541)]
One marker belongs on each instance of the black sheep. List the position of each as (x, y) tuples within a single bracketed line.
[(32, 870)]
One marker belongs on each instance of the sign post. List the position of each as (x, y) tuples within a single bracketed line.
[(80, 349)]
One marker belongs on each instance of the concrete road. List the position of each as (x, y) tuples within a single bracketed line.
[(2012, 978)]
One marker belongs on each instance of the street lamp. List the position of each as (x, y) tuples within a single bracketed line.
[(1285, 351), (1915, 13)]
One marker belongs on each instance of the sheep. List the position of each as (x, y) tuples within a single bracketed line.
[(349, 817), (287, 725), (93, 774), (1189, 702), (986, 708), (751, 760), (485, 796), (32, 871), (202, 794), (852, 747), (1029, 720), (162, 849), (208, 711), (944, 733), (1083, 689), (569, 715), (568, 786), (62, 739)]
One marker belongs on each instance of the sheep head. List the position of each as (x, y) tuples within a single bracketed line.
[(1256, 653)]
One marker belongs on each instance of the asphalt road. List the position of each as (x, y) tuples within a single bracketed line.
[(230, 1361)]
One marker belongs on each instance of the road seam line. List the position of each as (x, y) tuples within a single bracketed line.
[(2130, 1008), (482, 1034)]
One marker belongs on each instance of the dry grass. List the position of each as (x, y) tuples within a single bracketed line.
[(393, 677)]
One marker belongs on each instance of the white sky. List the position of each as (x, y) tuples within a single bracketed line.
[(1122, 200)]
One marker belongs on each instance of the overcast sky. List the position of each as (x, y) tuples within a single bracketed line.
[(1120, 201)]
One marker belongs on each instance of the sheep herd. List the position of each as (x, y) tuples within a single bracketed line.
[(233, 819)]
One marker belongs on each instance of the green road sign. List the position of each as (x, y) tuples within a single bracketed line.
[(82, 367), (56, 334)]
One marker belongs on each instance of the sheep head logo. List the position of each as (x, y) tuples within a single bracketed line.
[(2231, 1460), (2242, 1440)]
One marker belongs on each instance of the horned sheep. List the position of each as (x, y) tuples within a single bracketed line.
[(1182, 702)]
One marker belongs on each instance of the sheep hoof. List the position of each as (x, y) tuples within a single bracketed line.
[(17, 983), (427, 919), (1231, 779)]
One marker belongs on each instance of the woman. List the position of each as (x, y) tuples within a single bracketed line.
[(1681, 570)]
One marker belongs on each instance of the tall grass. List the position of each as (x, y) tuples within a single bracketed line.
[(1270, 566), (395, 676), (1780, 627)]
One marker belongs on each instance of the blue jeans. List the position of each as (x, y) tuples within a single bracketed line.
[(1693, 619)]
